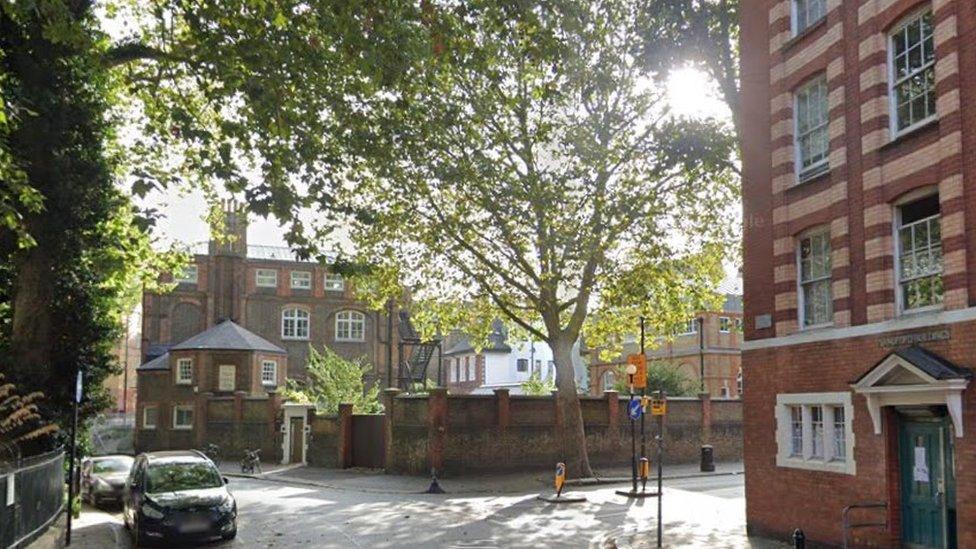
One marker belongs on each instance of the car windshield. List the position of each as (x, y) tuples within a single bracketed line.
[(112, 465), (177, 476)]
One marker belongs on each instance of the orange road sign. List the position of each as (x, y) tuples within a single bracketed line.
[(639, 379)]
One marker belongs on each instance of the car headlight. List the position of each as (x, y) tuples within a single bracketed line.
[(227, 505), (151, 512)]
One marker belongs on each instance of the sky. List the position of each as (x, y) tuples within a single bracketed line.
[(689, 92)]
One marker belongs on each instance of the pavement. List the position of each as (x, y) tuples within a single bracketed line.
[(309, 507)]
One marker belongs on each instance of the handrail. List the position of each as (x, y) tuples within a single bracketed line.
[(862, 505)]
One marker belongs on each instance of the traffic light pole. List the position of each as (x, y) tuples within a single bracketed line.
[(643, 451), (660, 458)]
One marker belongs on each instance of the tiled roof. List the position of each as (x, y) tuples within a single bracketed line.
[(933, 364), (161, 362), (228, 336)]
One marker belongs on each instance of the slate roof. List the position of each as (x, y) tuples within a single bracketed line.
[(929, 362), (496, 342), (227, 336), (161, 362), (157, 349)]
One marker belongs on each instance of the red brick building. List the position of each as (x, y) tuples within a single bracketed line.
[(859, 189)]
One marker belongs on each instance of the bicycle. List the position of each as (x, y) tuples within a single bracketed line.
[(251, 461)]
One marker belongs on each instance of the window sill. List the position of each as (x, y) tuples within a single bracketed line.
[(335, 290), (812, 177), (292, 338), (799, 36), (183, 428), (842, 467), (184, 383), (815, 327), (148, 428), (921, 311), (350, 340), (911, 131)]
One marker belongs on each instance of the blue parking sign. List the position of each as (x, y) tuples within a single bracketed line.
[(634, 409)]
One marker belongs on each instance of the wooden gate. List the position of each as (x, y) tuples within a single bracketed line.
[(368, 441)]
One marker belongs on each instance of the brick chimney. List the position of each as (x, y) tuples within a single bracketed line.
[(228, 252), (234, 240)]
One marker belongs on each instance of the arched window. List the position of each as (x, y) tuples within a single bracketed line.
[(608, 380), (294, 324), (350, 326)]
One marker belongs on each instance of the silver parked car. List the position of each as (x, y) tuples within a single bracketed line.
[(103, 478)]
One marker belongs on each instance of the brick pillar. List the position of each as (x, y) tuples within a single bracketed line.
[(613, 415), (706, 417), (503, 407), (200, 418), (345, 436), (436, 427), (274, 406), (389, 399), (239, 420)]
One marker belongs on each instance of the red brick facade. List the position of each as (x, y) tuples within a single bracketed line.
[(873, 168)]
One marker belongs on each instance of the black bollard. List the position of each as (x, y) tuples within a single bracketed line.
[(435, 487), (707, 458), (799, 540)]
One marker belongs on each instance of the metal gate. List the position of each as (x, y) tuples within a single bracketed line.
[(368, 441)]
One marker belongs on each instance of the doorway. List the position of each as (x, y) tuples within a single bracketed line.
[(928, 485), (296, 430)]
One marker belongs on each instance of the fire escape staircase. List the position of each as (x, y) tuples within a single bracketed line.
[(413, 364)]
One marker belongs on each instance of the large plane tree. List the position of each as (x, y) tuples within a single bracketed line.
[(531, 170)]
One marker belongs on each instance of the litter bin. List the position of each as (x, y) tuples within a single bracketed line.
[(707, 458)]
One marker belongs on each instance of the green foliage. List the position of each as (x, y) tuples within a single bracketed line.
[(21, 426), (661, 376), (333, 380), (536, 386)]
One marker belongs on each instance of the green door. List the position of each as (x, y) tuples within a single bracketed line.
[(927, 484)]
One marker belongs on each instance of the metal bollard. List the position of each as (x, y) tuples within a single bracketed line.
[(707, 458), (799, 540)]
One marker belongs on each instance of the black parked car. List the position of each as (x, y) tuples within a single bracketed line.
[(178, 496), (103, 478)]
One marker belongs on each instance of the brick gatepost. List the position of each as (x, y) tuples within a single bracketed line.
[(389, 398), (706, 417), (613, 415), (437, 427), (345, 436), (503, 407)]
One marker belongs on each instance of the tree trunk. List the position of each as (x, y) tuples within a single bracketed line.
[(572, 433), (30, 337)]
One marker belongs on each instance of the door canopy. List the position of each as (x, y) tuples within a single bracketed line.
[(914, 377)]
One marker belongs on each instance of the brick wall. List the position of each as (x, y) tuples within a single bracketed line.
[(502, 432)]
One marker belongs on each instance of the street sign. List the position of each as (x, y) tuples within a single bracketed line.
[(659, 407), (78, 385), (634, 410), (639, 379)]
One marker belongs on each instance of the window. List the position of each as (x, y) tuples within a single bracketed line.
[(738, 383), (690, 327), (912, 60), (806, 13), (724, 324), (226, 377), (188, 275), (350, 326), (294, 324), (334, 282), (812, 142), (183, 416), (796, 431), (269, 373), (184, 371), (457, 370), (301, 280), (725, 389), (840, 438), (920, 254), (470, 367), (522, 365), (814, 431), (816, 303), (738, 325), (550, 369), (266, 278), (608, 380), (817, 432), (150, 415)]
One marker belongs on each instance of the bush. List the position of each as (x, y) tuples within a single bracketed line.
[(661, 376), (333, 380)]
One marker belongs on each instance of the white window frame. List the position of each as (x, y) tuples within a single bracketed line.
[(334, 282), (896, 241), (266, 278), (351, 317), (295, 315), (185, 278), (519, 362), (893, 84), (823, 165), (827, 402), (183, 426), (692, 324), (273, 382), (180, 378), (800, 296), (738, 383), (795, 19), (727, 321), (301, 280), (145, 417)]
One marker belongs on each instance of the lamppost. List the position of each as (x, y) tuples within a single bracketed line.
[(701, 353)]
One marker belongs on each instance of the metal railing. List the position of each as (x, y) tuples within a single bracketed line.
[(845, 517), (31, 497)]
